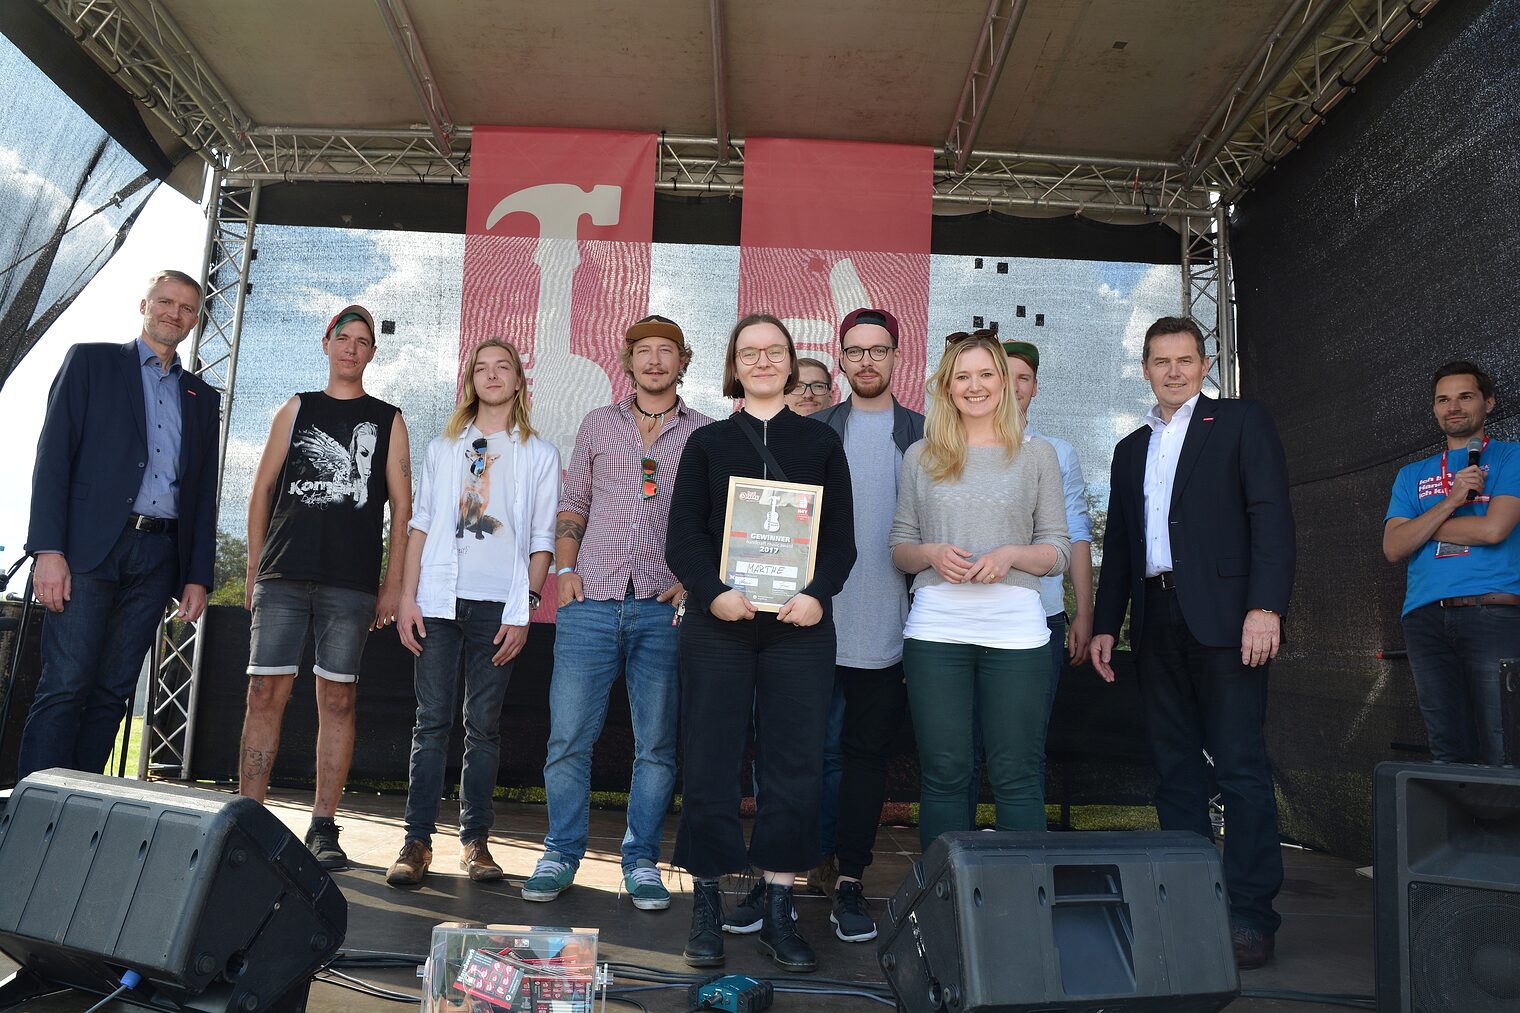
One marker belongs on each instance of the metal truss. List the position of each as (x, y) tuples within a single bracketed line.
[(337, 155), (1315, 57), (987, 59), (1207, 296), (398, 21), (138, 43), (169, 718)]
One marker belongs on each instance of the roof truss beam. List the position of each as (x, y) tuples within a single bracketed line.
[(987, 60), (398, 21), (139, 43)]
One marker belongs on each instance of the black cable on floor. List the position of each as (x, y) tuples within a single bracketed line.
[(1348, 1000)]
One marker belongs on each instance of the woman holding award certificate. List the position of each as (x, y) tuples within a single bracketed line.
[(980, 519), (762, 536)]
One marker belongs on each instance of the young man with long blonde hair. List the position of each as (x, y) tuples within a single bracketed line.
[(482, 533)]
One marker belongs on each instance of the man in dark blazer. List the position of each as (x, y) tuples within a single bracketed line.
[(123, 518), (1200, 546)]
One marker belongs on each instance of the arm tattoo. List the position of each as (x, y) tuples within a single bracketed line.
[(406, 468), (567, 528)]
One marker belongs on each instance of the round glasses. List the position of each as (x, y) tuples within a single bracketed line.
[(857, 352), (750, 356)]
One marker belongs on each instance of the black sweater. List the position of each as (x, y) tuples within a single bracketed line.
[(809, 451)]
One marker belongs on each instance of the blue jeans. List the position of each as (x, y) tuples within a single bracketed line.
[(833, 770), (1455, 654), (594, 642), (92, 654), (471, 632)]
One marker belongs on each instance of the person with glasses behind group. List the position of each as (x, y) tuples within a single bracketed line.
[(617, 608), (815, 387), (980, 519), (482, 533), (735, 658)]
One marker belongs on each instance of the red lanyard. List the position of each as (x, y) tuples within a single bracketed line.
[(1446, 475)]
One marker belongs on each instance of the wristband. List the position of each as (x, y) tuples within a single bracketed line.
[(564, 570)]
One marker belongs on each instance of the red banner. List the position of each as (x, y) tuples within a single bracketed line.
[(556, 260), (830, 226)]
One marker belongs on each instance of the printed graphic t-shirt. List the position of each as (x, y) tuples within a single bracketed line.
[(484, 536), (328, 522), (1441, 570)]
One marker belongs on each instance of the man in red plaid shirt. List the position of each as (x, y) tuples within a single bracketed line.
[(617, 613)]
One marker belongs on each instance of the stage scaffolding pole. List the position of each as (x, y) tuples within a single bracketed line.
[(1205, 294), (169, 718)]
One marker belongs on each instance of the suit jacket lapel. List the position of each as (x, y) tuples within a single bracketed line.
[(1136, 478), (1199, 427), (133, 368)]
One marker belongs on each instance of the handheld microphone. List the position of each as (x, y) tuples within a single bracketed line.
[(1474, 451)]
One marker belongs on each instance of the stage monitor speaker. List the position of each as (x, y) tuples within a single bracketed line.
[(1046, 922), (205, 895), (1446, 883)]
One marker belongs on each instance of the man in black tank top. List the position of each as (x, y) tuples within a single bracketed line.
[(316, 517)]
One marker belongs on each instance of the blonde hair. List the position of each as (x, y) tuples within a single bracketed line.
[(945, 434), (464, 412)]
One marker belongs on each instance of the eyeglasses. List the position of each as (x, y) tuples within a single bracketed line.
[(750, 356), (647, 469), (817, 388), (478, 466), (855, 353)]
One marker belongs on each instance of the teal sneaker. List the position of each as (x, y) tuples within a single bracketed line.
[(551, 877), (645, 886)]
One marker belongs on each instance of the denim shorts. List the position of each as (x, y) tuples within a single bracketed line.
[(285, 610)]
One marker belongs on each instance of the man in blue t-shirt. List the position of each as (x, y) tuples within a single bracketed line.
[(1454, 522)]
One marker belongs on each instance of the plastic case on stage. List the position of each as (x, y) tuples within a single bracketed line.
[(474, 968)]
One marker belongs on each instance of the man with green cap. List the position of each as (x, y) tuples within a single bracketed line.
[(316, 523)]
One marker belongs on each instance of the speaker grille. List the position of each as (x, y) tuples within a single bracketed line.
[(1464, 949)]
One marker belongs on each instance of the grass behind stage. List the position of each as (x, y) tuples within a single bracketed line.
[(1083, 817)]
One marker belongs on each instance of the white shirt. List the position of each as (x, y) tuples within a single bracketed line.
[(1160, 474), (435, 510)]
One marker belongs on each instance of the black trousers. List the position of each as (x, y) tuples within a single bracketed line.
[(1198, 697), (786, 675), (875, 703)]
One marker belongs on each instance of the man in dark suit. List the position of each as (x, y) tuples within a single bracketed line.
[(1200, 545), (123, 517)]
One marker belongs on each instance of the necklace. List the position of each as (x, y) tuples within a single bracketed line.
[(657, 416)]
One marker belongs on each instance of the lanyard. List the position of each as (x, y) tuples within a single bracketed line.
[(1446, 473)]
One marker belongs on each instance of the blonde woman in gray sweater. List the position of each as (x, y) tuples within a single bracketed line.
[(980, 518)]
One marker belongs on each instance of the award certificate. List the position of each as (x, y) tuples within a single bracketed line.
[(772, 534)]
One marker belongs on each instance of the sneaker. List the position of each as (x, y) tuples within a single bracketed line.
[(645, 887), (411, 865), (749, 914), (851, 918), (551, 877), (322, 842), (475, 858)]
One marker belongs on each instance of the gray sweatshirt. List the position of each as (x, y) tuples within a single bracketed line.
[(995, 503)]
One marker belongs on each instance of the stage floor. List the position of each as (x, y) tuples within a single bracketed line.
[(1325, 944)]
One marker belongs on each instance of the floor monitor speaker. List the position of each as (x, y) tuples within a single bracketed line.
[(205, 895), (1046, 922), (1446, 886)]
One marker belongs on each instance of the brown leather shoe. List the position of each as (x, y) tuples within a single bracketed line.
[(411, 865), (477, 861), (820, 879), (1252, 948)]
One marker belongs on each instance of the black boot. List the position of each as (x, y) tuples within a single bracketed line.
[(704, 946), (779, 938)]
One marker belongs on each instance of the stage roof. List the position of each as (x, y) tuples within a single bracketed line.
[(1099, 107)]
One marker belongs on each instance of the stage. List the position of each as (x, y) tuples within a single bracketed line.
[(1325, 944)]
